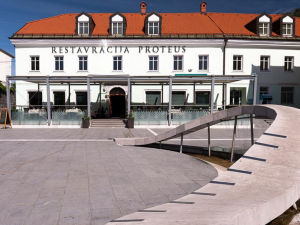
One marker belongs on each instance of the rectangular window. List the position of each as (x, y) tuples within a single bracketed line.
[(153, 97), (81, 98), (265, 63), (59, 63), (35, 99), (59, 98), (203, 62), (263, 29), (202, 98), (287, 95), (83, 28), (153, 28), (153, 63), (178, 63), (264, 95), (237, 63), (117, 28), (35, 63), (287, 29), (178, 98), (117, 61), (83, 63), (288, 63)]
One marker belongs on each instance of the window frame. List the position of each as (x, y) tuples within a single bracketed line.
[(118, 23), (119, 63), (242, 63), (59, 63), (293, 96), (83, 70), (178, 62), (263, 28), (284, 28), (207, 63), (268, 61), (37, 63), (160, 94), (153, 70), (285, 67), (153, 27), (83, 27)]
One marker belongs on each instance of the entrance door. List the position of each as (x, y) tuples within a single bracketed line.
[(237, 96), (117, 102)]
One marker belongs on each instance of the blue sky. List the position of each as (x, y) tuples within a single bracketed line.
[(15, 13)]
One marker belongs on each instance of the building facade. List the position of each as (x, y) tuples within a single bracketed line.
[(5, 65), (160, 44)]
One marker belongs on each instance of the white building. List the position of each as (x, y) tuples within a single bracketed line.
[(160, 44), (5, 65)]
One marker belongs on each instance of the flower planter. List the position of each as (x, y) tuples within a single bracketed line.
[(85, 123), (130, 123)]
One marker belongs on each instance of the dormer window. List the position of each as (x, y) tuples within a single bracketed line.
[(153, 24), (264, 25), (83, 28), (287, 26), (84, 24), (117, 24)]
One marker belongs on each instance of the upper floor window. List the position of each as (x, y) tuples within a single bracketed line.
[(203, 62), (287, 29), (117, 63), (117, 24), (35, 63), (153, 24), (237, 63), (288, 63), (265, 63), (153, 63), (59, 63), (117, 28), (83, 28), (264, 25), (83, 63), (84, 23), (178, 60)]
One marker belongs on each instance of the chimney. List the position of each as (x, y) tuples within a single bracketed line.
[(203, 7), (143, 8)]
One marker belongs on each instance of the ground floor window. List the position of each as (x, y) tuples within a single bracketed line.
[(264, 95), (35, 99), (59, 98), (178, 98), (287, 95), (153, 97), (202, 98), (236, 96), (81, 98)]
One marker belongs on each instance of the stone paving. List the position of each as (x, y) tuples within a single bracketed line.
[(68, 180)]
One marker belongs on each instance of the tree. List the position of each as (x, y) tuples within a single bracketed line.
[(296, 12)]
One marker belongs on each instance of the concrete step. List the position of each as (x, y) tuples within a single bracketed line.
[(107, 123)]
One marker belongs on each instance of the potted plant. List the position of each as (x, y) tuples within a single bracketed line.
[(85, 120), (130, 120)]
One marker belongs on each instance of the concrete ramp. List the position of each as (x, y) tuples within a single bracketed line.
[(259, 187)]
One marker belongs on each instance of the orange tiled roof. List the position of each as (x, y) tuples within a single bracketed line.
[(172, 24)]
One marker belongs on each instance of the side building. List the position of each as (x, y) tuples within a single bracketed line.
[(192, 45)]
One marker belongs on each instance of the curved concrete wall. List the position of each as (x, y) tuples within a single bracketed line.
[(256, 189)]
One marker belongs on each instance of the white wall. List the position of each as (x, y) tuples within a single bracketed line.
[(5, 66)]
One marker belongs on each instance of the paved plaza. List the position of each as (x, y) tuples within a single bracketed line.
[(80, 176)]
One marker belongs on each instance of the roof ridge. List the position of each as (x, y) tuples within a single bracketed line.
[(51, 17)]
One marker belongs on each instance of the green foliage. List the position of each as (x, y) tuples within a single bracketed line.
[(131, 114), (85, 116), (296, 12), (3, 89)]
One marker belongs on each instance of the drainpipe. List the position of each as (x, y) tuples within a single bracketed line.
[(224, 86)]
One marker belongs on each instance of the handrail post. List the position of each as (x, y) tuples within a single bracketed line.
[(181, 142), (251, 126), (208, 139), (170, 102), (233, 139), (48, 100)]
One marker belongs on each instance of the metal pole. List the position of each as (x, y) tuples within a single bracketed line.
[(88, 81), (209, 151), (69, 101), (128, 97), (252, 133), (212, 95), (38, 94), (170, 102), (100, 95), (255, 90), (194, 93), (8, 103), (162, 93), (181, 142), (48, 101), (233, 139)]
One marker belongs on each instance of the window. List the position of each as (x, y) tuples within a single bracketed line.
[(35, 99), (237, 63), (202, 98), (178, 98), (153, 63), (287, 95), (81, 98), (153, 28), (287, 29), (263, 91), (83, 28), (264, 29), (35, 63), (59, 98), (203, 62), (177, 63), (264, 95), (59, 63), (117, 28), (117, 61), (265, 63), (288, 63), (153, 97), (236, 96), (83, 63)]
